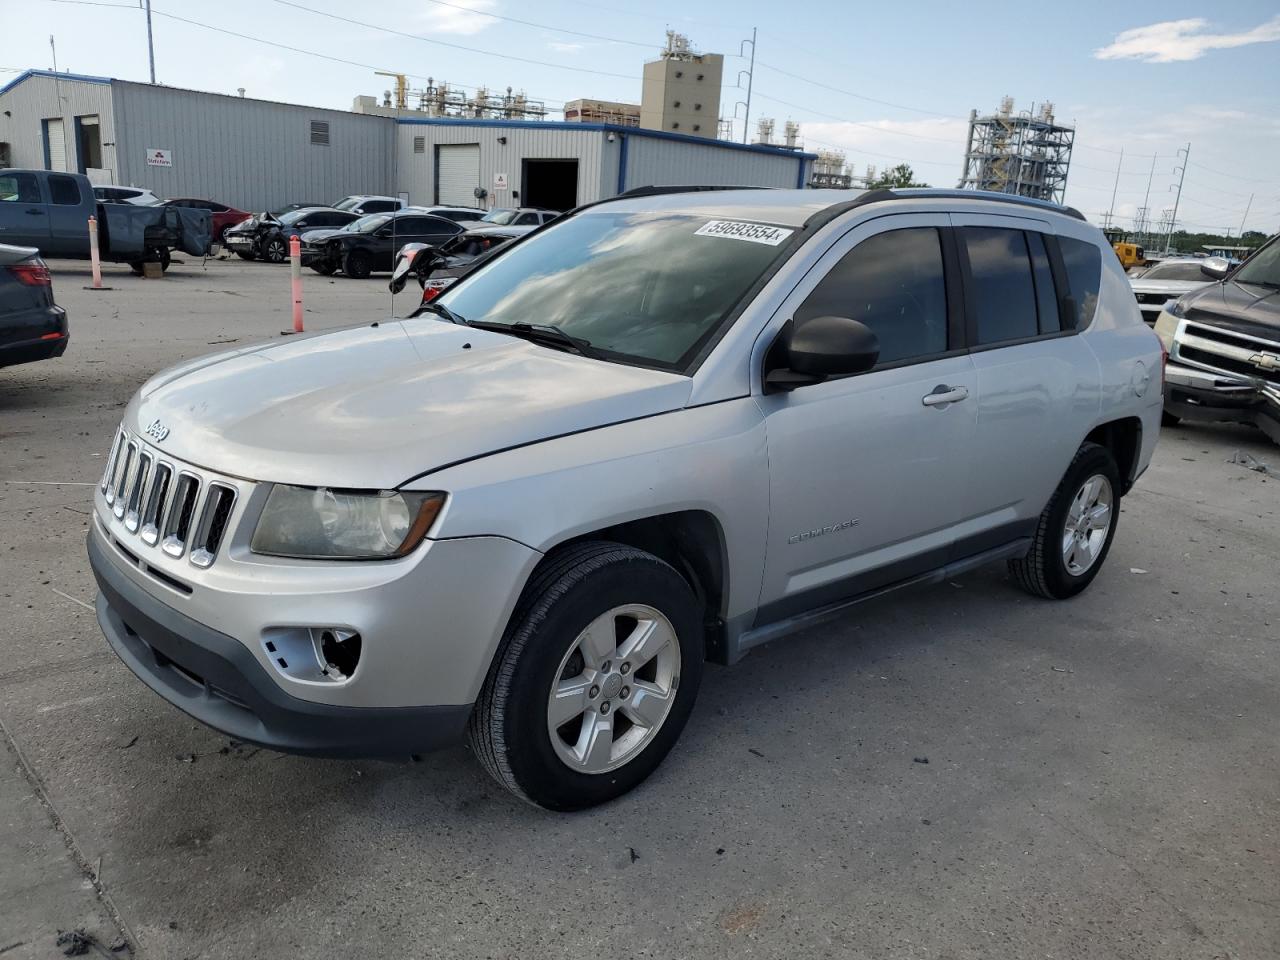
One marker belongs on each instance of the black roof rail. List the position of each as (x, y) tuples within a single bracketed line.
[(657, 191), (945, 194)]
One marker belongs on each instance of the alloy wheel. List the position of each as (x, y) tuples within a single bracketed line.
[(1088, 520), (614, 689)]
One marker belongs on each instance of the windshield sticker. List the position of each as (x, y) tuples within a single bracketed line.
[(738, 230)]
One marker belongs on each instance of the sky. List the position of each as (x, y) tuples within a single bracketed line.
[(883, 86)]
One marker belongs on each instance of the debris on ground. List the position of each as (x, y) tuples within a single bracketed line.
[(755, 751), (1136, 570), (634, 856), (78, 943), (186, 757), (1249, 461), (919, 759), (126, 746)]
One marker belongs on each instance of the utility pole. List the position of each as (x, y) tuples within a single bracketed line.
[(151, 50), (1247, 206), (1186, 153), (1115, 188), (751, 76), (1146, 201)]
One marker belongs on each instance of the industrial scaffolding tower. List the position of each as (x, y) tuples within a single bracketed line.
[(1026, 153)]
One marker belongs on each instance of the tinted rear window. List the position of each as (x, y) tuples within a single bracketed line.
[(1003, 294), (1084, 272)]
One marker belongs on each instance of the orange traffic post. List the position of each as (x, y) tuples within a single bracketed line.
[(95, 262), (295, 268)]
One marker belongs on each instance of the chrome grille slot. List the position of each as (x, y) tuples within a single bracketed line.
[(213, 524), (107, 487), (153, 512), (182, 509), (136, 490), (128, 461)]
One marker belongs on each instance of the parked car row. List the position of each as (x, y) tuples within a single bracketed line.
[(339, 239)]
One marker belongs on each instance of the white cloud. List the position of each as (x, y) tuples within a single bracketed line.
[(560, 46), (460, 17), (1177, 40)]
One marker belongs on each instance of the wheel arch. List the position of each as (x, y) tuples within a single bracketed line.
[(693, 543), (1123, 438)]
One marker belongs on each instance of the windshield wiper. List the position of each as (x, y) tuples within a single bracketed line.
[(431, 306), (541, 333)]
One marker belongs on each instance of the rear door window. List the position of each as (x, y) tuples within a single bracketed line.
[(64, 190), (1046, 293), (895, 284), (1002, 294), (1083, 262)]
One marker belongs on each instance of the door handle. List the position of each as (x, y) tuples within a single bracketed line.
[(943, 394), (35, 212)]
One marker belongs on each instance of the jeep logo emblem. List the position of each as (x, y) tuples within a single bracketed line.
[(156, 430)]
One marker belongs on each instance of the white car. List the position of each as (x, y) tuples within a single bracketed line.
[(113, 193), (1167, 280)]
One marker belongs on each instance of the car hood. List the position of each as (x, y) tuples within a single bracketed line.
[(374, 406), (320, 236), (1243, 307), (1172, 287)]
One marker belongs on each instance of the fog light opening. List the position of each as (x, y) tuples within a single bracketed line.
[(339, 652)]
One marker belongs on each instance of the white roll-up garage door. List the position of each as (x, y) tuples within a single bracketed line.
[(57, 145), (457, 174)]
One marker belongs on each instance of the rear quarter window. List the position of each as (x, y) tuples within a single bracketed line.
[(1083, 262)]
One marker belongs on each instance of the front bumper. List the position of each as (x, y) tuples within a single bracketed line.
[(215, 679), (1195, 394)]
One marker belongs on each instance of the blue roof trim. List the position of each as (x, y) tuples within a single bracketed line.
[(28, 74), (604, 128)]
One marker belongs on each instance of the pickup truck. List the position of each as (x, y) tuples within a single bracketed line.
[(51, 211)]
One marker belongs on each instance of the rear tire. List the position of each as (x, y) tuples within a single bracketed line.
[(357, 264), (1075, 530), (1169, 420), (618, 694)]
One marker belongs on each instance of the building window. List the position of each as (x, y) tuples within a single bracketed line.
[(697, 106), (679, 74), (675, 126), (697, 127), (419, 144), (320, 132), (676, 104), (699, 76)]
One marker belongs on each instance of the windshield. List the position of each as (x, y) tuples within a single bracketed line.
[(1263, 267), (346, 203), (500, 216), (649, 288), (292, 216), (366, 224), (1176, 270)]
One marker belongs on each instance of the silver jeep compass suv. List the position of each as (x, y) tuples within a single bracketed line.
[(665, 429)]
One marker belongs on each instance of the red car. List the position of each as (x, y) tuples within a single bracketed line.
[(223, 215)]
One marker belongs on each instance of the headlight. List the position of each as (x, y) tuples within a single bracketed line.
[(321, 523), (1167, 326)]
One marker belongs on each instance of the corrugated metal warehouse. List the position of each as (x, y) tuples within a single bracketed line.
[(258, 154)]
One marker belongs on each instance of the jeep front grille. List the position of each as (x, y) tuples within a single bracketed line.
[(164, 503)]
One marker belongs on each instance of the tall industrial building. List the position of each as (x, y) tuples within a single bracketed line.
[(1026, 153), (681, 91)]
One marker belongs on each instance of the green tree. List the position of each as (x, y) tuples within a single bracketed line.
[(900, 176)]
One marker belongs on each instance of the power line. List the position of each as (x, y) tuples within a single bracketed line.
[(531, 23), (857, 96), (446, 43), (1233, 176)]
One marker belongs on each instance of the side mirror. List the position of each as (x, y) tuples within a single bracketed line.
[(1216, 267), (818, 348)]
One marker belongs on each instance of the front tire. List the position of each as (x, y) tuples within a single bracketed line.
[(1075, 530), (276, 250), (357, 264), (595, 679)]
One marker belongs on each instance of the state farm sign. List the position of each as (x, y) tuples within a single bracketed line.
[(157, 157)]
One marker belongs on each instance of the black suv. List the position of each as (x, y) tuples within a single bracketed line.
[(266, 236), (370, 243)]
